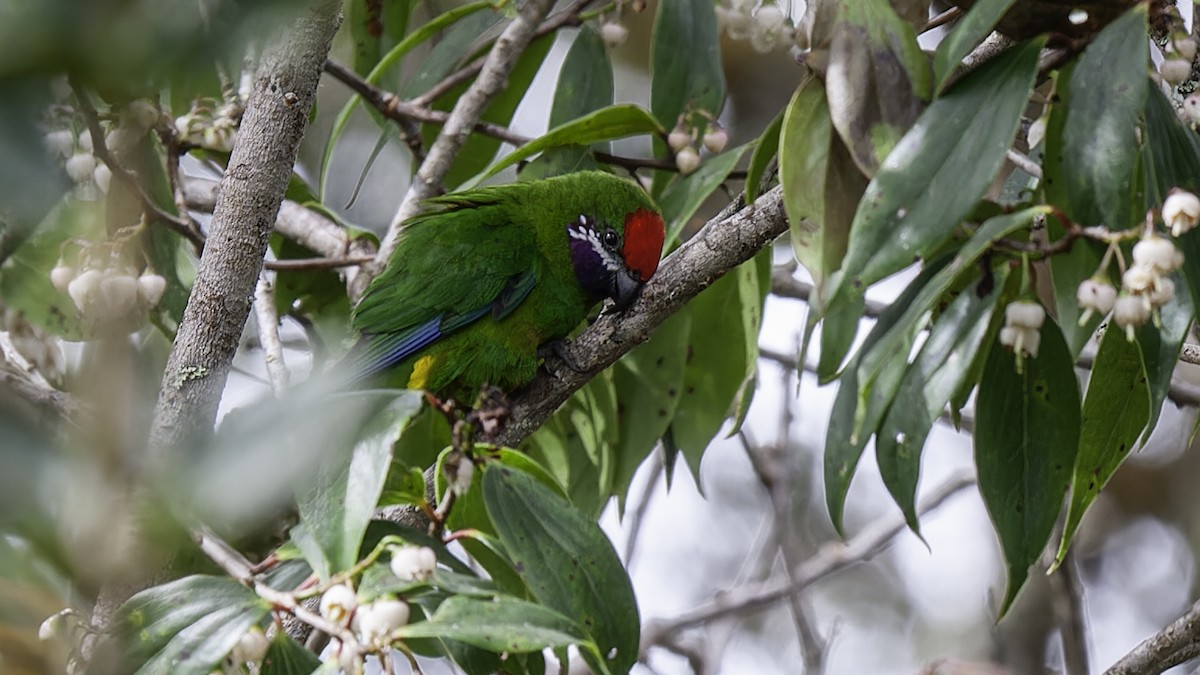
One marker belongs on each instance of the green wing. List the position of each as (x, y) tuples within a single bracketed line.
[(450, 268)]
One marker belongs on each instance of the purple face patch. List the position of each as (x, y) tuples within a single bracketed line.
[(594, 261)]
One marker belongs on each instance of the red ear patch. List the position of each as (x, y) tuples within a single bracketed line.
[(644, 234)]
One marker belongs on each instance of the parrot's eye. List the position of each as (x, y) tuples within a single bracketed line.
[(611, 238)]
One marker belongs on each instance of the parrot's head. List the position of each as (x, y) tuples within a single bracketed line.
[(615, 259)]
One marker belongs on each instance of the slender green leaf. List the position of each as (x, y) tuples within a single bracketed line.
[(682, 84), (381, 69), (618, 121), (938, 171), (682, 198), (765, 149), (725, 320), (503, 624), (1115, 411), (585, 82), (337, 506), (568, 563), (1026, 438), (1069, 269), (968, 31), (940, 368), (877, 80), (187, 625), (1107, 94), (288, 657), (857, 411), (649, 381)]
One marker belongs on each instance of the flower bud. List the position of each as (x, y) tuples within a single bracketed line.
[(140, 114), (1024, 314), (61, 142), (338, 603), (80, 167), (737, 24), (61, 276), (52, 628), (687, 160), (252, 646), (767, 28), (1138, 279), (375, 621), (459, 473), (150, 288), (1186, 47), (1181, 210), (715, 139), (1175, 71), (1158, 254), (679, 139), (102, 176), (1129, 312), (1095, 296), (1161, 294), (414, 563), (83, 287), (116, 295), (613, 34)]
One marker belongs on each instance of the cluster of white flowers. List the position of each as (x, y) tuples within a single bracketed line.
[(682, 140), (372, 623), (1146, 284), (375, 621), (414, 563), (108, 292), (1022, 325), (767, 27), (76, 150), (211, 128), (1176, 65)]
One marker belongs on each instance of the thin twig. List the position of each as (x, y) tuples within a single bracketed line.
[(1025, 164), (832, 558), (467, 111), (1177, 643), (1069, 613), (568, 17), (785, 285), (184, 226), (638, 514), (268, 334), (942, 19)]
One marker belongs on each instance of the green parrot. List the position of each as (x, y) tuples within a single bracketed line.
[(486, 278)]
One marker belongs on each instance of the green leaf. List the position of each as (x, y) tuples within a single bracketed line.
[(187, 625), (720, 358), (385, 65), (682, 198), (1026, 437), (336, 507), (25, 282), (618, 121), (578, 442), (683, 84), (938, 171), (1115, 411), (288, 657), (941, 367), (1071, 268), (765, 148), (568, 563), (877, 80), (1171, 158), (819, 181), (1107, 93), (859, 408), (1160, 346), (366, 26), (479, 150), (503, 624), (649, 381), (968, 31), (585, 81), (878, 355)]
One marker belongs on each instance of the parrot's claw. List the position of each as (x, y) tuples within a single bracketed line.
[(558, 348)]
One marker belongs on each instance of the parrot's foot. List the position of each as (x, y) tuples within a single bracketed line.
[(558, 349)]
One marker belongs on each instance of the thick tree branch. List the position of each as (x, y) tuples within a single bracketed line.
[(722, 244), (467, 110), (259, 169)]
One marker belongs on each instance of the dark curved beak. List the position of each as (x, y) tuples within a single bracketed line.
[(627, 287)]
